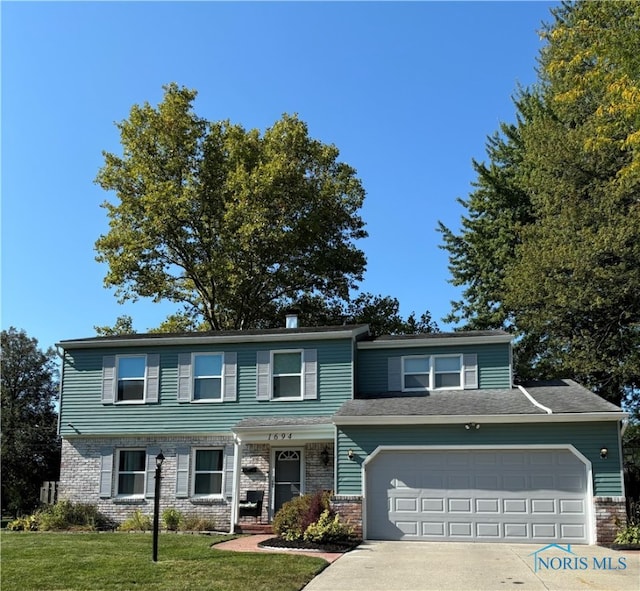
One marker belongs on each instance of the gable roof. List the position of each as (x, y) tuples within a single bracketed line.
[(461, 337)]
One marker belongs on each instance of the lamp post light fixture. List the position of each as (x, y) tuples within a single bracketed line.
[(156, 504)]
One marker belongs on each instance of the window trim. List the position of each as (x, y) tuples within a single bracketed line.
[(143, 400), (460, 371), (404, 373), (117, 472), (193, 472), (192, 385), (432, 372), (273, 375)]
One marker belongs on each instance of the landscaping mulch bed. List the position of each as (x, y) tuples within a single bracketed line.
[(303, 545)]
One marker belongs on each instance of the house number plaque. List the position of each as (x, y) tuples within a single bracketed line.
[(279, 436)]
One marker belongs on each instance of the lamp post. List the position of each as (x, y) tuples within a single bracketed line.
[(156, 505)]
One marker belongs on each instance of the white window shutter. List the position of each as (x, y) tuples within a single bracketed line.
[(184, 377), (228, 471), (230, 389), (394, 376), (470, 362), (182, 472), (106, 472), (153, 378), (108, 379), (150, 485), (310, 374), (263, 368)]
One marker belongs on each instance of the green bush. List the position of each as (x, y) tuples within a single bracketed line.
[(628, 535), (137, 522), (64, 515), (296, 515), (24, 523), (328, 529), (198, 523), (171, 519), (287, 522)]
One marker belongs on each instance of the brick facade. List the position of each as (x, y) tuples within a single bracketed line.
[(350, 509), (80, 475), (611, 515)]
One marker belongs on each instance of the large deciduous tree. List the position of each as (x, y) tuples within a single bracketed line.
[(566, 275), (232, 224), (30, 445)]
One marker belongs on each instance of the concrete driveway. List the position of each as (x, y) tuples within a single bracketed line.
[(425, 566)]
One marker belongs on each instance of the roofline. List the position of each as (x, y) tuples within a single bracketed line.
[(201, 339), (435, 341), (479, 419)]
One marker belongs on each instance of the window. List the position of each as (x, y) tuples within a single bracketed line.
[(207, 377), (447, 372), (207, 473), (436, 372), (131, 374), (416, 373), (131, 472), (287, 374)]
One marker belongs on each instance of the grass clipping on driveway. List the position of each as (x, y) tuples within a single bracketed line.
[(121, 562)]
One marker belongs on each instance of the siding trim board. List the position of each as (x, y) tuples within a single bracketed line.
[(591, 517)]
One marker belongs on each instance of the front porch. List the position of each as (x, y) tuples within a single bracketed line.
[(277, 460)]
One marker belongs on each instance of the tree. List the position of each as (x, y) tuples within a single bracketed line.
[(231, 224), (30, 444), (381, 313), (565, 276)]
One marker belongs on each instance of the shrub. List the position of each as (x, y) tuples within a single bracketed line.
[(64, 515), (171, 519), (198, 523), (296, 515), (24, 523), (328, 529), (137, 522), (628, 535), (287, 522)]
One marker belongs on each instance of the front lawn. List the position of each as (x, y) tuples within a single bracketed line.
[(122, 561)]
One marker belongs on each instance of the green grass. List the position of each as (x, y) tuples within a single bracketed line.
[(122, 562)]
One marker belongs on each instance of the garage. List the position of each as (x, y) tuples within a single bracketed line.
[(483, 495)]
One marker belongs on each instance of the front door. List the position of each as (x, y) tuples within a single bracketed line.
[(286, 476)]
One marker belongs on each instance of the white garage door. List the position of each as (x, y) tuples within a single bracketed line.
[(477, 495)]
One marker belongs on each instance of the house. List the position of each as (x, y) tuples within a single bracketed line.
[(420, 437)]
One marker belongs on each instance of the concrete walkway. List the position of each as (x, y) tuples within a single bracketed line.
[(431, 566), (250, 544)]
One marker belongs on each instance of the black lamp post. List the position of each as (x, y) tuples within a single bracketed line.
[(156, 505)]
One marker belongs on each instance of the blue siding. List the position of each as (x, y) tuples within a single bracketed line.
[(587, 438), (493, 364), (82, 407)]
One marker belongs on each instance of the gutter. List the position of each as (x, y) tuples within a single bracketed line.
[(391, 420)]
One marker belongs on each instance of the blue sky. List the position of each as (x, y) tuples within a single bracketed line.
[(407, 91)]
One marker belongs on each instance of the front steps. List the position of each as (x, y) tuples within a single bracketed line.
[(251, 527)]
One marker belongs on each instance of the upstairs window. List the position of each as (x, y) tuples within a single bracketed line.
[(207, 377), (416, 374), (207, 472), (431, 372), (447, 372), (131, 472), (131, 377), (287, 374)]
